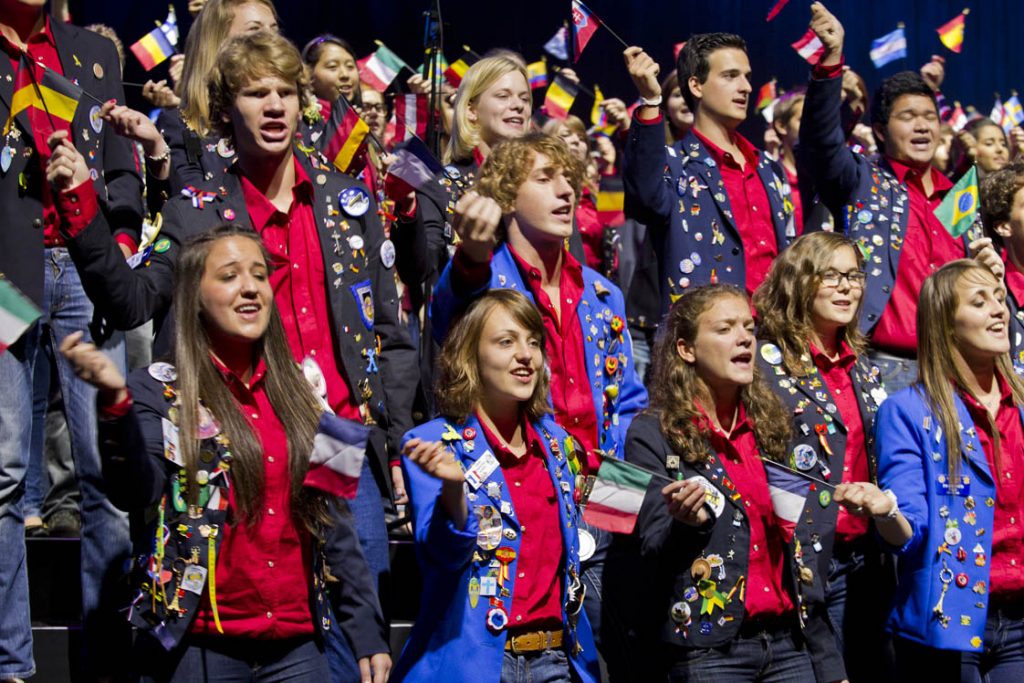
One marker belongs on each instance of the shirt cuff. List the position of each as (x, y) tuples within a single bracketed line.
[(77, 207), (469, 275), (127, 240), (823, 73), (108, 411), (647, 122)]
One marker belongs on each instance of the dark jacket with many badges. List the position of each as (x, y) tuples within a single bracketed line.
[(90, 60), (696, 612), (679, 193), (617, 392), (817, 423), (943, 598), (194, 160), (375, 353), (142, 472), (459, 634), (865, 192)]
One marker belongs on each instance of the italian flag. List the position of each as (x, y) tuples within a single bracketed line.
[(336, 462), (17, 313), (380, 68), (617, 496)]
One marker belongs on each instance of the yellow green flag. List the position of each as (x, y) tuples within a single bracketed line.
[(959, 209)]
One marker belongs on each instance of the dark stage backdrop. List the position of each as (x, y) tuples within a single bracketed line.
[(988, 63)]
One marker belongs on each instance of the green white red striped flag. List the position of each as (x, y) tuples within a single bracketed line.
[(17, 313), (617, 496), (380, 68)]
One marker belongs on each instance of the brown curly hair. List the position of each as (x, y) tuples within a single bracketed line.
[(785, 298), (997, 192), (676, 387), (458, 388), (509, 164), (245, 59)]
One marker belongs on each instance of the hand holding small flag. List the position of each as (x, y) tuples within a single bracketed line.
[(863, 499), (830, 32), (984, 251), (433, 458), (685, 500), (66, 167), (644, 72)]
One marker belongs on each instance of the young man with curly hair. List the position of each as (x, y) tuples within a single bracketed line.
[(1002, 214)]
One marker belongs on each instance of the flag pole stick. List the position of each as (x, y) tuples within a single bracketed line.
[(39, 92), (799, 473), (615, 35)]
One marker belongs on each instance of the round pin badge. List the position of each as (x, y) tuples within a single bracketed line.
[(771, 354), (804, 457), (93, 173), (952, 535), (224, 149), (229, 214), (497, 619), (824, 498), (695, 257), (354, 201), (163, 372), (6, 157), (162, 245), (97, 70), (864, 216), (387, 253), (587, 545), (94, 119), (680, 613), (686, 266), (452, 172), (355, 242)]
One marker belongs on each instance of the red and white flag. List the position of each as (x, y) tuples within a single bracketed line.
[(411, 113), (809, 47)]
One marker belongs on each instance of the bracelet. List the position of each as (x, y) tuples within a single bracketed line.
[(163, 156), (651, 101), (895, 506)]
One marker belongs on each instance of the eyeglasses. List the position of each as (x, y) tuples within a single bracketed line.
[(379, 108), (832, 277)]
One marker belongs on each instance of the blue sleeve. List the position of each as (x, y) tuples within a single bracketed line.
[(903, 444), (446, 304), (643, 162)]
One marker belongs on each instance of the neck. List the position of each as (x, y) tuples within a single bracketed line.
[(789, 160), (1015, 254), (826, 340), (715, 130), (727, 402), (502, 418), (236, 357), (544, 256), (21, 22), (980, 376), (273, 177), (923, 170)]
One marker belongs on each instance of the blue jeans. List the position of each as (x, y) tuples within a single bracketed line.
[(15, 426), (242, 660), (547, 666), (36, 481), (897, 373), (766, 657), (642, 344), (368, 516)]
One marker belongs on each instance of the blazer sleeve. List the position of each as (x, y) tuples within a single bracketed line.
[(647, 198), (186, 168), (902, 446), (420, 245), (354, 597), (822, 150), (132, 448), (447, 303)]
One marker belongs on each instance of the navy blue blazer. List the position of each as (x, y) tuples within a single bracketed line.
[(679, 193), (865, 192)]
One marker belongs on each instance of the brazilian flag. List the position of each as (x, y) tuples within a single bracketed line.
[(959, 209)]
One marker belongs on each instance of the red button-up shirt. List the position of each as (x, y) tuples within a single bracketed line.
[(570, 387), (591, 230), (42, 52), (794, 196), (537, 599), (299, 282), (1014, 288), (750, 208), (264, 565), (836, 375), (927, 246), (739, 455), (1006, 462)]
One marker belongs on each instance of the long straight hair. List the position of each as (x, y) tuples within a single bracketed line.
[(479, 77), (939, 373), (676, 387), (199, 379)]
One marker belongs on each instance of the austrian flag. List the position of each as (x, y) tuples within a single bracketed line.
[(809, 47), (617, 495)]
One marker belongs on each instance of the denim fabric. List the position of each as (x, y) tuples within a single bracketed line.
[(641, 352), (240, 660), (36, 481), (769, 657), (897, 373), (547, 666), (1000, 661), (15, 424)]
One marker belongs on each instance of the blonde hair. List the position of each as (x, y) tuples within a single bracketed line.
[(205, 39), (938, 372), (478, 78), (245, 59), (458, 388), (786, 297)]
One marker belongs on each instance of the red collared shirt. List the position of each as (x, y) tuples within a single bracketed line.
[(1015, 288), (591, 230), (537, 599), (299, 282), (855, 460), (751, 210), (570, 386), (927, 246), (42, 51), (738, 454), (264, 565), (798, 205), (1006, 462)]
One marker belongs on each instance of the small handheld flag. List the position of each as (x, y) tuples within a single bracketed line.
[(888, 48), (766, 95), (559, 98), (788, 490), (997, 111), (17, 313), (1012, 109), (557, 45), (346, 134), (952, 32), (584, 26), (454, 73), (159, 44), (959, 209), (380, 68), (617, 496), (538, 73), (339, 449), (957, 118), (411, 113), (809, 47)]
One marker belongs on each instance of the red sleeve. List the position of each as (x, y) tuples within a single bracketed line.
[(467, 275), (77, 207), (108, 411), (823, 73), (647, 122), (127, 240)]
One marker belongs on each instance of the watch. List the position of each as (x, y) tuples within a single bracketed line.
[(651, 101), (895, 506)]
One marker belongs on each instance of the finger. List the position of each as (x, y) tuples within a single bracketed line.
[(69, 341), (364, 671), (669, 489), (694, 500)]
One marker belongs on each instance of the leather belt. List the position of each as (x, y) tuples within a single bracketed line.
[(533, 641)]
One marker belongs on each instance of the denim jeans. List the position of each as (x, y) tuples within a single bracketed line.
[(766, 657), (36, 481), (546, 666), (15, 426), (368, 516), (240, 660), (897, 373)]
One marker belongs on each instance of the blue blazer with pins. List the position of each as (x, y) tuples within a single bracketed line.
[(946, 517), (450, 640)]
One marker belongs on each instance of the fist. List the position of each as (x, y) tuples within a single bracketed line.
[(685, 500), (830, 33), (92, 365), (476, 221), (433, 458), (66, 168), (644, 72), (934, 72)]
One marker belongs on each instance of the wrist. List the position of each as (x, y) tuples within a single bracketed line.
[(893, 511), (155, 155), (651, 100)]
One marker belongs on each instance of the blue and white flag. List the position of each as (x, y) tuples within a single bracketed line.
[(789, 492), (558, 45), (890, 47)]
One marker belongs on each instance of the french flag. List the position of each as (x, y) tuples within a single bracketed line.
[(336, 462), (809, 47), (788, 490)]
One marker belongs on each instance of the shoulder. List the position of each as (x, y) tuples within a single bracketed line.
[(431, 431), (605, 289), (546, 423), (85, 42), (646, 426), (908, 402)]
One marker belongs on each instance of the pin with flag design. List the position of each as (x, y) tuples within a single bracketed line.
[(336, 462)]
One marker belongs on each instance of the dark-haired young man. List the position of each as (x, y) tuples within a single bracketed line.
[(718, 208), (888, 204)]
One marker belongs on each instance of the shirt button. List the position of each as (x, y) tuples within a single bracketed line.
[(568, 301), (1013, 520), (576, 420), (522, 574), (255, 416), (303, 310), (270, 458), (295, 266), (518, 484), (519, 617), (753, 208), (270, 511), (270, 615), (312, 352), (270, 563), (755, 550), (74, 199), (838, 391), (572, 381), (766, 589)]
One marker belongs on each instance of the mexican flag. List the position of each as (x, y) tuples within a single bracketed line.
[(17, 313), (617, 495), (380, 68)]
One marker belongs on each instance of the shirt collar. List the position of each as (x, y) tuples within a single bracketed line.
[(705, 423), (43, 35), (261, 210), (750, 153), (232, 378), (846, 357), (908, 175), (1005, 398), (1014, 279), (478, 157), (498, 447), (571, 268)]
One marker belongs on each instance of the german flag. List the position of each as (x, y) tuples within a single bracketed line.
[(53, 94), (454, 73), (346, 138)]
